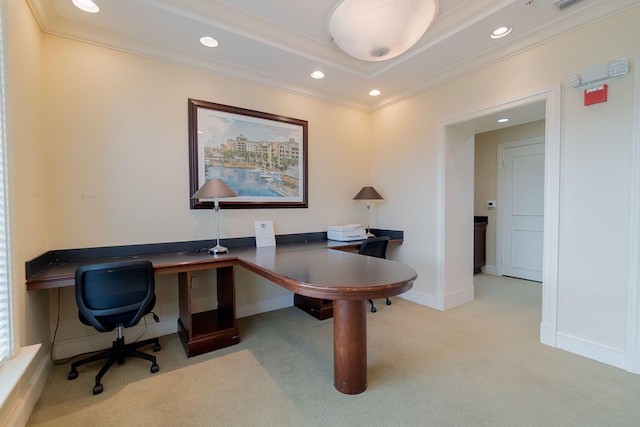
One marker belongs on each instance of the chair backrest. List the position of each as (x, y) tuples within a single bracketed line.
[(113, 294), (375, 246)]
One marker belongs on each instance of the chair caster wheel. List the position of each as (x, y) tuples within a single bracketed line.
[(373, 309), (156, 347), (388, 302), (72, 375), (97, 389), (155, 368)]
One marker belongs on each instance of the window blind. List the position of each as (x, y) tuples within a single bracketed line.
[(5, 302)]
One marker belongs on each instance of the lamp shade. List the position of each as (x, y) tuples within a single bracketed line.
[(214, 188), (368, 193), (375, 30)]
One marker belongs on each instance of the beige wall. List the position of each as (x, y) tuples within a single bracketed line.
[(117, 154), (98, 151), (27, 172), (486, 174), (595, 170), (103, 157)]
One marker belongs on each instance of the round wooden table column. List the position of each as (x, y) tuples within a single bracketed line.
[(350, 346)]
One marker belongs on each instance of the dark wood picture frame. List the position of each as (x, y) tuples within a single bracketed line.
[(252, 151)]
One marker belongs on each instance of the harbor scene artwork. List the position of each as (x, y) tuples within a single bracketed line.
[(262, 157)]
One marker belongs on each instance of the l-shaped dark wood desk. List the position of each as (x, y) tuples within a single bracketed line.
[(307, 268)]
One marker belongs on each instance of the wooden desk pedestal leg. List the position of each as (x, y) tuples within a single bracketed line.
[(212, 329), (350, 346)]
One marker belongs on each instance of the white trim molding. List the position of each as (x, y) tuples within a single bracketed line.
[(632, 353), (551, 96), (591, 349), (22, 379), (549, 323), (100, 341), (422, 299)]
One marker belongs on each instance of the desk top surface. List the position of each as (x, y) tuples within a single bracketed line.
[(308, 268)]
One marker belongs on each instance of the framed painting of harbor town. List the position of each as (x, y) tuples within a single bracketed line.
[(263, 157)]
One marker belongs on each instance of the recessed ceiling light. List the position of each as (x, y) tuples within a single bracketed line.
[(317, 74), (503, 120), (209, 41), (501, 32), (86, 5), (375, 92)]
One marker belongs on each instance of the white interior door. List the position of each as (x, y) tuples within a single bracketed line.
[(522, 212)]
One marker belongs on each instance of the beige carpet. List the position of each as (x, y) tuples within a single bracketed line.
[(480, 364)]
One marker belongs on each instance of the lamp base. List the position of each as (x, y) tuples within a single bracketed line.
[(217, 249), (370, 234)]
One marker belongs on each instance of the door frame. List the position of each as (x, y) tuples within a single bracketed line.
[(446, 165), (500, 189), (632, 353)]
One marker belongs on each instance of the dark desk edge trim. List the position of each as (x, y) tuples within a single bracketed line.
[(87, 254)]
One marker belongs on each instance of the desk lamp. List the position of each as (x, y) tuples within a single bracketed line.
[(368, 193), (214, 189)]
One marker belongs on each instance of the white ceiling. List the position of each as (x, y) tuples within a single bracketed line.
[(278, 43)]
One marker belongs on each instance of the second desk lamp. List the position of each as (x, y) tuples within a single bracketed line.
[(368, 194)]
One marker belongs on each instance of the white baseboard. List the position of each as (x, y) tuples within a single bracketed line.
[(449, 301), (246, 310), (592, 350), (422, 299), (490, 269), (101, 341), (548, 335), (457, 298), (632, 363)]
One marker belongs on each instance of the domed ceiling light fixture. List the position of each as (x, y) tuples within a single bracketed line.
[(376, 30)]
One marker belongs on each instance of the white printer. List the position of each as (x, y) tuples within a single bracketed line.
[(346, 233)]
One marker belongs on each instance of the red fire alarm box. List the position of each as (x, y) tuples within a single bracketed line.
[(595, 95)]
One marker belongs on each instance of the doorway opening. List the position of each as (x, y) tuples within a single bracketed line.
[(456, 143)]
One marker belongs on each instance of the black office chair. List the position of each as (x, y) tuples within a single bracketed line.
[(115, 295), (376, 247)]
